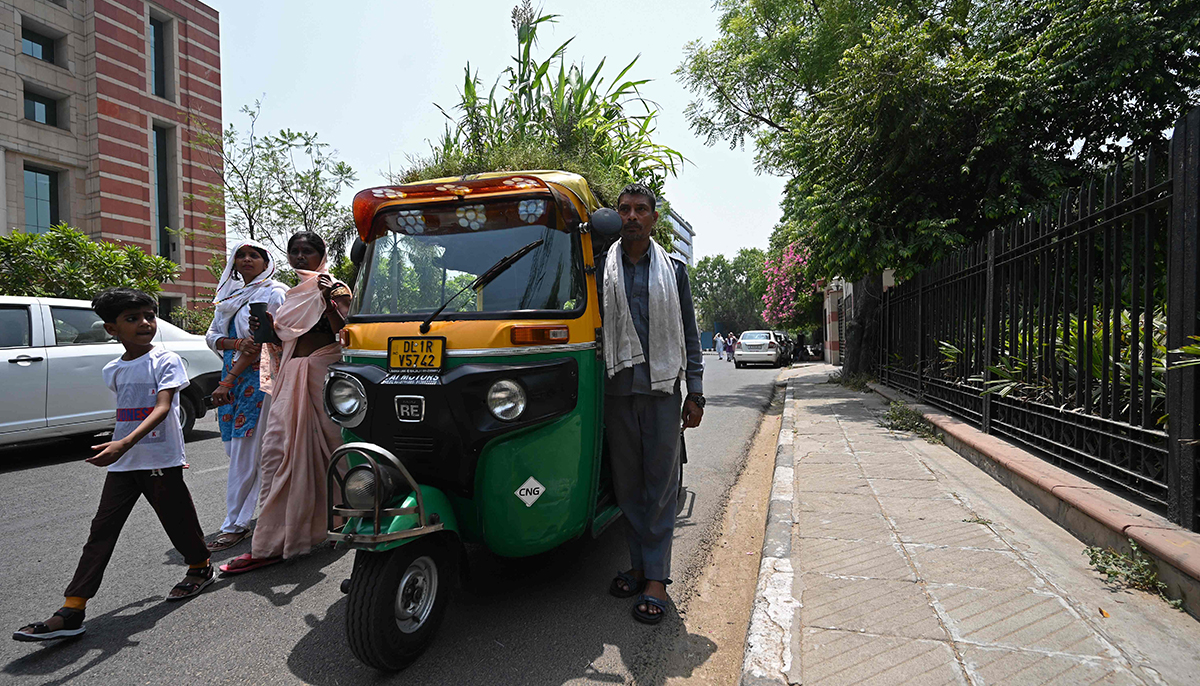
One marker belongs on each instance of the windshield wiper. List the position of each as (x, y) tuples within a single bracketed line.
[(483, 279)]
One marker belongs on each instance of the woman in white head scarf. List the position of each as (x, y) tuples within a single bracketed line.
[(242, 405)]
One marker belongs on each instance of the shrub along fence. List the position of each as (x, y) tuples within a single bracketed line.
[(1058, 331)]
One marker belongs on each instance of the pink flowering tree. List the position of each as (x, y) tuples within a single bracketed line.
[(791, 295)]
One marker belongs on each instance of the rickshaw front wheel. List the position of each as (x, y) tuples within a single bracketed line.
[(397, 600)]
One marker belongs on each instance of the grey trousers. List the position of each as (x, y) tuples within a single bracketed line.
[(643, 442)]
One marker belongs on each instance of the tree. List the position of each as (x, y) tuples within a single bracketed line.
[(548, 114), (910, 128), (64, 263), (272, 186), (730, 292)]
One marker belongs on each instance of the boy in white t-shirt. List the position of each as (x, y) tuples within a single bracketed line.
[(144, 458)]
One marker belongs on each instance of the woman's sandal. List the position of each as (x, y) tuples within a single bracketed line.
[(191, 589), (247, 563), (72, 625), (645, 616), (626, 585), (227, 540)]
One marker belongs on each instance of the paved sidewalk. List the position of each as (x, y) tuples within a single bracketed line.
[(890, 560)]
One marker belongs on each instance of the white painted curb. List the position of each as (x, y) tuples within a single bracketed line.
[(768, 656)]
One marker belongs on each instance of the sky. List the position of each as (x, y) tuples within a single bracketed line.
[(366, 76)]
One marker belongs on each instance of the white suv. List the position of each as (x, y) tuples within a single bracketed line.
[(52, 352)]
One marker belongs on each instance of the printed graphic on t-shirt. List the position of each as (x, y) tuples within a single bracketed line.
[(135, 402)]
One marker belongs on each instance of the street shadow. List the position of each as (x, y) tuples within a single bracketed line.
[(107, 635), (753, 402), (546, 619), (201, 435), (47, 453), (297, 575)]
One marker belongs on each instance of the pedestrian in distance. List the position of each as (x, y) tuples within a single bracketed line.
[(652, 346), (719, 344), (730, 344), (242, 406), (300, 437), (144, 458)]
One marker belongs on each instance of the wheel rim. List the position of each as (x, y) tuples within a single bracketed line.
[(416, 594)]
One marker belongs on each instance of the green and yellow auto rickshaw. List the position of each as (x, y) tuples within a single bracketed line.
[(470, 392)]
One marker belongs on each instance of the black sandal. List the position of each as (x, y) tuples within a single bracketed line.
[(645, 616), (38, 631), (192, 589), (632, 585)]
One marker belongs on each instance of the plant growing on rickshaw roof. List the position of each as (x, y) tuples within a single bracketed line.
[(551, 114)]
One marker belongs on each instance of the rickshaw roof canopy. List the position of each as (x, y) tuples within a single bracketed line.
[(368, 203)]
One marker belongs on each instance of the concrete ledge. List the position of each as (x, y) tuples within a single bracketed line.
[(1093, 514)]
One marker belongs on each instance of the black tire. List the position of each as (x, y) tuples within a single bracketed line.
[(187, 414), (737, 365), (377, 634)]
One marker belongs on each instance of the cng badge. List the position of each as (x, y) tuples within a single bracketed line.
[(530, 491)]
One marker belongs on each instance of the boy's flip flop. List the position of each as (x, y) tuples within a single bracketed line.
[(247, 563), (38, 631)]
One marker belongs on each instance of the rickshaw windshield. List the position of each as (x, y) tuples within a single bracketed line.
[(431, 252)]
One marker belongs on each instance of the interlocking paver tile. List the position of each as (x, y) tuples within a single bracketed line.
[(852, 526), (913, 470), (1018, 618), (989, 569), (831, 484), (958, 534), (999, 666), (812, 456), (944, 510), (837, 502), (929, 490), (894, 608), (854, 558), (818, 470), (833, 658)]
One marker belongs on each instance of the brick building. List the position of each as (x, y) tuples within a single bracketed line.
[(98, 103)]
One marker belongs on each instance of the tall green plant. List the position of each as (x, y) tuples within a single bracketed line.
[(546, 113)]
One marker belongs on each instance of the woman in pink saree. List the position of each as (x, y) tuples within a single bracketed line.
[(300, 437)]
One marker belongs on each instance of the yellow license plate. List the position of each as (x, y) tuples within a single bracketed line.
[(416, 354)]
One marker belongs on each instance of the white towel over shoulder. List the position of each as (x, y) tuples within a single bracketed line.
[(622, 349)]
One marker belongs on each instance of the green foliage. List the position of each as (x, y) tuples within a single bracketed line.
[(549, 114), (729, 292), (910, 127), (1135, 570), (901, 417), (65, 263), (272, 186), (860, 383)]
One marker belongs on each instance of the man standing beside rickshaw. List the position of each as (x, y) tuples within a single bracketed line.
[(651, 345)]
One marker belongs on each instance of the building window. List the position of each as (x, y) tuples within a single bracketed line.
[(41, 200), (162, 191), (36, 45), (41, 109), (159, 57)]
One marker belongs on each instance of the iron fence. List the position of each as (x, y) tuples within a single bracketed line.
[(1055, 331)]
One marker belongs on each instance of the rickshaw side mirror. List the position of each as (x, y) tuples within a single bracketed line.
[(358, 251), (606, 222)]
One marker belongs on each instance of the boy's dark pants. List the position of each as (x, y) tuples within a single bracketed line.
[(169, 497)]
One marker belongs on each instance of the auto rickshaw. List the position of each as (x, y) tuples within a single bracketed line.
[(470, 392)]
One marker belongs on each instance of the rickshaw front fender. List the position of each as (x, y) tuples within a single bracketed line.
[(437, 511)]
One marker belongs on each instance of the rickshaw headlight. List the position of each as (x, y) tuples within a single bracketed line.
[(359, 488), (345, 399), (360, 484), (506, 400)]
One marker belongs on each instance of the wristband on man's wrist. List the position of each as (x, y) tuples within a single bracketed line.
[(698, 399)]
